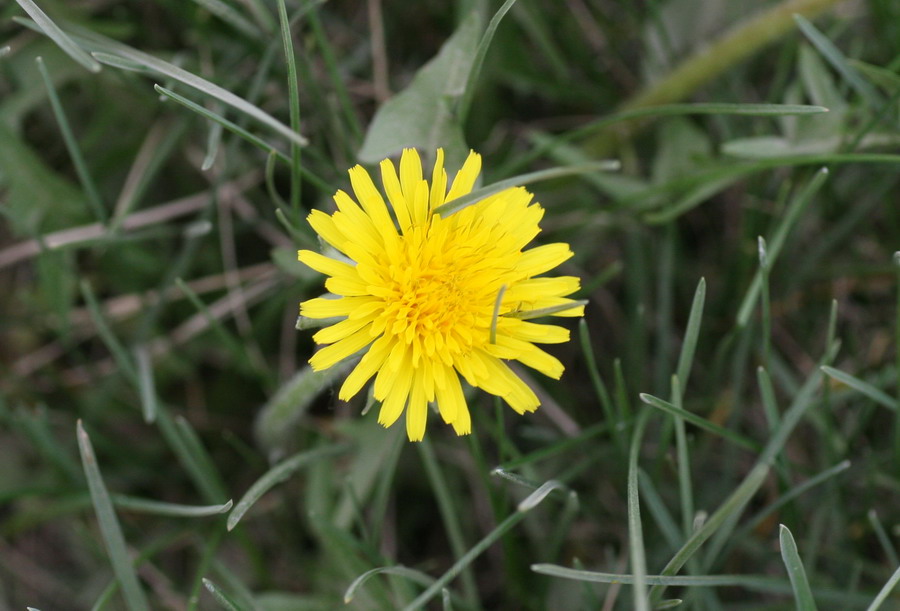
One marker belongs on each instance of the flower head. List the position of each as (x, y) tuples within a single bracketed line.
[(429, 298)]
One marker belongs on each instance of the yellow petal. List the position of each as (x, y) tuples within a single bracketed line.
[(410, 174), (543, 258), (370, 199), (395, 401), (365, 369), (337, 352), (466, 177), (417, 410), (438, 181), (395, 194), (326, 265)]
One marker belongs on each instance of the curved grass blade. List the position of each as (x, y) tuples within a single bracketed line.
[(413, 575), (526, 505), (833, 55), (84, 177), (734, 505), (107, 51), (776, 242), (877, 395), (225, 601), (169, 509), (278, 474), (691, 333), (450, 514), (701, 422), (293, 100), (230, 16), (635, 528), (802, 594), (55, 34), (885, 591), (789, 495), (243, 133), (113, 538), (146, 385), (480, 53), (523, 179)]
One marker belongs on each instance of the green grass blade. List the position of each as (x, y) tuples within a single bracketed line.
[(477, 63), (833, 55), (449, 513), (635, 528), (802, 594), (885, 591), (84, 177), (224, 600), (765, 305), (107, 48), (55, 34), (732, 505), (146, 385), (169, 509), (209, 484), (776, 242), (701, 422), (523, 179), (114, 540), (896, 262), (413, 575), (118, 351), (213, 140), (228, 339), (789, 495), (692, 332), (877, 395), (603, 396), (278, 474), (293, 102), (685, 486), (505, 526), (883, 538), (278, 418), (232, 127), (200, 458), (661, 514), (767, 395), (231, 16), (748, 581)]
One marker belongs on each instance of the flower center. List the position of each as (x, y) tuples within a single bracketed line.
[(438, 294)]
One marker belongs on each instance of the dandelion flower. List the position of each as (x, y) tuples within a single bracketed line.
[(428, 299)]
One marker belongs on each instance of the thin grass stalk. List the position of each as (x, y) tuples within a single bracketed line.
[(450, 515), (293, 104), (84, 177)]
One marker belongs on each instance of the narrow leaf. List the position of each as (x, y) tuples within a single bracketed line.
[(113, 538), (523, 179), (802, 594), (278, 474), (876, 394), (58, 36), (700, 421)]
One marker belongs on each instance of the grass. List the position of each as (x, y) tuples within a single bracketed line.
[(725, 435)]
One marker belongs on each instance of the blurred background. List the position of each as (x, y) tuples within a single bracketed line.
[(150, 289)]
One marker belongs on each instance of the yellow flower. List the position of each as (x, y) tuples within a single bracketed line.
[(421, 301)]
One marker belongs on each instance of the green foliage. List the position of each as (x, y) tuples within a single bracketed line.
[(732, 394)]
